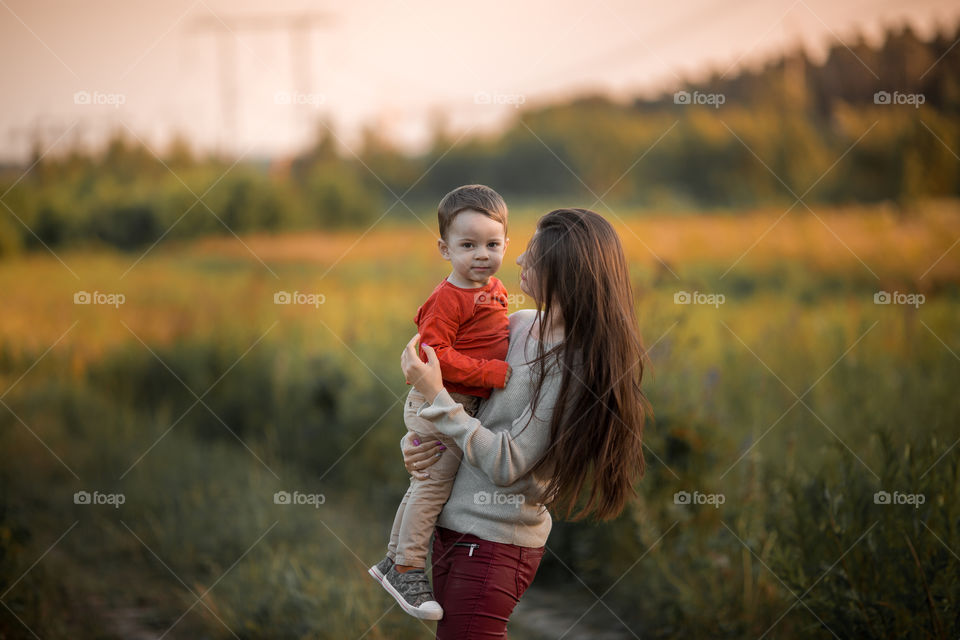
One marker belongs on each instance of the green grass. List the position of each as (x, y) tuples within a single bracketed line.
[(315, 405)]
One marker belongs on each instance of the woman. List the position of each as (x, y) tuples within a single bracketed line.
[(569, 423)]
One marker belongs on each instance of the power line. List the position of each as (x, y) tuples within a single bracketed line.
[(226, 29)]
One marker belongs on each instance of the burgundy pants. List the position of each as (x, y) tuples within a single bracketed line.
[(478, 583)]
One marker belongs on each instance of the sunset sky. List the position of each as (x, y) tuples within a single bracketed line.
[(397, 66)]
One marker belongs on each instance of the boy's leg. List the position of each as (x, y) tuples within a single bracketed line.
[(425, 498), (395, 530), (413, 402), (470, 403)]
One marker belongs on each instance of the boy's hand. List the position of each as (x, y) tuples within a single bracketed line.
[(507, 378), (425, 376)]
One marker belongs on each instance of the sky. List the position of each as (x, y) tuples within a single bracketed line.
[(257, 77)]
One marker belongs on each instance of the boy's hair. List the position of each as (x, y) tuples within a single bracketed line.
[(476, 197)]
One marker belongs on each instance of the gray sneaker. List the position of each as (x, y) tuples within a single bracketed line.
[(380, 569), (412, 591)]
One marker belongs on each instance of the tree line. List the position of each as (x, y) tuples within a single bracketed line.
[(867, 124)]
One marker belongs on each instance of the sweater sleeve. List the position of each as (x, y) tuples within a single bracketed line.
[(439, 330), (505, 456)]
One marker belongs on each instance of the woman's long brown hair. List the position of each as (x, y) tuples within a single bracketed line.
[(597, 424)]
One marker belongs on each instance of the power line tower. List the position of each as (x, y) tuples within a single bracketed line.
[(227, 29)]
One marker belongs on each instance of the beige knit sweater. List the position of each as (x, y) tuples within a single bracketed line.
[(494, 494)]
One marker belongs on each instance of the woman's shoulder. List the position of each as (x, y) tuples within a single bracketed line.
[(522, 320)]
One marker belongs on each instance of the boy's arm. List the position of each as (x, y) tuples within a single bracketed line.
[(440, 333)]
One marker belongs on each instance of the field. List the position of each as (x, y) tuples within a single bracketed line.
[(786, 398)]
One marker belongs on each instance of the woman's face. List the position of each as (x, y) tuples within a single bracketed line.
[(528, 275)]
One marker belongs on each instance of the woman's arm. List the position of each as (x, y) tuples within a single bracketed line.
[(505, 456)]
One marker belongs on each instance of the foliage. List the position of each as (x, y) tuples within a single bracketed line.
[(315, 400), (789, 129)]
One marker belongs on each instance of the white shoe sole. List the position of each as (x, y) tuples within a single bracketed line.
[(416, 613), (373, 571)]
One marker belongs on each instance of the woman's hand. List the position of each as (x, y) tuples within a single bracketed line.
[(417, 456), (424, 376)]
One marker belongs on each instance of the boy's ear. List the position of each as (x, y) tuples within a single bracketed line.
[(444, 251)]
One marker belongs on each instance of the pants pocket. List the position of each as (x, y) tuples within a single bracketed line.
[(527, 568)]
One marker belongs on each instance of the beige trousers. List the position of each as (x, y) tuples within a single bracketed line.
[(421, 505)]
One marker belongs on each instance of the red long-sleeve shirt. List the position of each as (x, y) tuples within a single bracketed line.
[(469, 330)]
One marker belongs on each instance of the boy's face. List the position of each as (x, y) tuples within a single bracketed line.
[(474, 247)]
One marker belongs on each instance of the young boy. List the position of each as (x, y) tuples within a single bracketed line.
[(465, 321)]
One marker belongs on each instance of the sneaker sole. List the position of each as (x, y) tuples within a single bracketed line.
[(416, 613), (373, 571)]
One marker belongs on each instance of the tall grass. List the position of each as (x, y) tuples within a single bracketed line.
[(303, 398)]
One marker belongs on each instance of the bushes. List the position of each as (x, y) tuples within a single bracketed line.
[(127, 199), (11, 240), (870, 561), (198, 498), (126, 226), (303, 409), (312, 411), (337, 198), (799, 517)]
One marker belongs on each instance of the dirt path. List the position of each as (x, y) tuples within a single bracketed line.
[(550, 614), (129, 623)]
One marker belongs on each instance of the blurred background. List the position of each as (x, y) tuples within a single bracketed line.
[(217, 221)]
